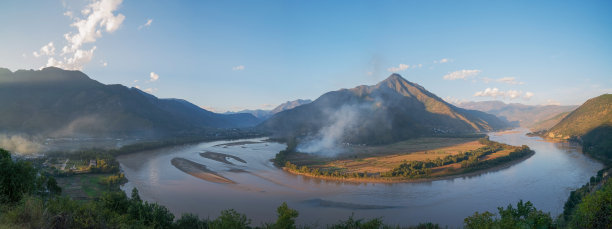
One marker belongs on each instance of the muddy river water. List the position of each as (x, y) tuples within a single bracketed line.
[(545, 179)]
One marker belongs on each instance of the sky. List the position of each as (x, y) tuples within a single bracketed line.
[(234, 55)]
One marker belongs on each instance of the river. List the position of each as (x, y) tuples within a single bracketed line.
[(545, 179)]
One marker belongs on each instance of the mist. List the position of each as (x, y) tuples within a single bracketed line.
[(20, 144)]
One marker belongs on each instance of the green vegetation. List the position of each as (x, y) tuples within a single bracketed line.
[(525, 215), (470, 159), (591, 195), (281, 157), (595, 210)]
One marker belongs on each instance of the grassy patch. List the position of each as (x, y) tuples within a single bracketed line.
[(84, 186)]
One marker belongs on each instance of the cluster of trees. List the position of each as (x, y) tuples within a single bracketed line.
[(525, 215), (469, 159), (19, 178), (282, 157), (587, 196), (325, 172), (114, 180), (476, 164)]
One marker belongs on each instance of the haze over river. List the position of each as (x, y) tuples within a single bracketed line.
[(545, 179)]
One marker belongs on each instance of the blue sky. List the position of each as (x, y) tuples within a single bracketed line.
[(232, 55)]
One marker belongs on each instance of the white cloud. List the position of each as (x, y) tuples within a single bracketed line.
[(238, 68), (147, 24), (461, 74), (46, 50), (399, 68), (153, 77), (75, 62), (454, 101), (69, 14), (552, 102), (150, 90), (509, 80), (510, 94), (442, 61), (98, 16)]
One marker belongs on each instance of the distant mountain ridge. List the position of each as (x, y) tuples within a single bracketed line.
[(56, 102), (392, 110), (290, 105), (265, 114), (533, 117)]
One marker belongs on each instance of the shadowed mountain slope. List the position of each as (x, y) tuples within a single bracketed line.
[(594, 113), (56, 102)]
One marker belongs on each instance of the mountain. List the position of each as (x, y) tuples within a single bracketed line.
[(548, 123), (595, 112), (533, 117), (290, 105), (265, 114), (392, 110), (590, 124), (259, 113), (55, 102)]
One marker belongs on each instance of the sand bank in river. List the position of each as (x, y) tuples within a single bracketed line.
[(221, 157), (239, 143), (199, 171)]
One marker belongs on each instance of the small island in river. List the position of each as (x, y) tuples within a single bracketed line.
[(221, 157), (199, 171), (412, 160)]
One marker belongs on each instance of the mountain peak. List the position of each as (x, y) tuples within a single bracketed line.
[(394, 78)]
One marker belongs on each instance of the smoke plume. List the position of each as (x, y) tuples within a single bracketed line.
[(19, 144), (329, 140)]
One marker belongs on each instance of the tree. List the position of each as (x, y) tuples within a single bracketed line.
[(352, 223), (595, 211), (286, 217), (190, 221), (135, 196), (525, 215), (479, 221), (230, 219), (16, 178)]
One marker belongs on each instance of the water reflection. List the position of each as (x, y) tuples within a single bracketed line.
[(546, 179)]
